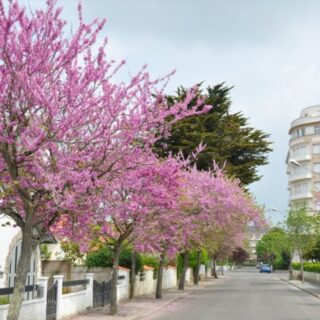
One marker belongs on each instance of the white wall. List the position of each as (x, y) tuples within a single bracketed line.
[(123, 284), (73, 303), (169, 279), (313, 276), (188, 276), (147, 286), (32, 309)]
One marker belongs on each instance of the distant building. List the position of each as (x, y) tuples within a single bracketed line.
[(303, 160), (253, 235)]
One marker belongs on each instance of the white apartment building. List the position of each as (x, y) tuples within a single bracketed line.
[(303, 160), (253, 236)]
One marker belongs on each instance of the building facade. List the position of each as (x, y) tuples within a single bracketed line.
[(253, 236), (303, 160)]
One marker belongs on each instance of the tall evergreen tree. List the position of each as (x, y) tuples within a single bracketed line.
[(229, 140)]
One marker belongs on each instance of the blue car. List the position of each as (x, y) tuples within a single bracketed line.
[(265, 268)]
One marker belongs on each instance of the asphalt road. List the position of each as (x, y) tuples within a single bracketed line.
[(245, 295)]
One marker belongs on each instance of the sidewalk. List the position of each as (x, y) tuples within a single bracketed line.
[(141, 307), (311, 287)]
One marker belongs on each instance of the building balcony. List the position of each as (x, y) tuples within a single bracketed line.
[(301, 196), (302, 176), (303, 157)]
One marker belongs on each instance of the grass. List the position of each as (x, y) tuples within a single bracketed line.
[(4, 300)]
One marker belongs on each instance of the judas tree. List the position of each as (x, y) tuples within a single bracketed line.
[(139, 199), (67, 129), (222, 205)]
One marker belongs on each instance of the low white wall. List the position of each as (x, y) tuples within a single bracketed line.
[(313, 276), (73, 303), (146, 286), (224, 268), (169, 279), (189, 276), (123, 286), (202, 271), (31, 309)]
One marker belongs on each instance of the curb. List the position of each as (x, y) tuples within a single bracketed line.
[(303, 289), (140, 317)]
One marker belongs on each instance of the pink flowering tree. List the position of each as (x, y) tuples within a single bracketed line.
[(67, 129), (214, 202), (139, 199)]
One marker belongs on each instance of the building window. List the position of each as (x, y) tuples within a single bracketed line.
[(317, 129), (299, 151), (300, 188), (299, 132), (316, 167), (317, 186), (316, 149), (15, 256)]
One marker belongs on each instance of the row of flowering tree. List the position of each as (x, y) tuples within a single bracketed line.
[(76, 148)]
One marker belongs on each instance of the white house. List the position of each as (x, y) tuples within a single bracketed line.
[(10, 250)]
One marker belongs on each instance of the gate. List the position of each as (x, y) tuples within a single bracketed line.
[(52, 302), (101, 293)]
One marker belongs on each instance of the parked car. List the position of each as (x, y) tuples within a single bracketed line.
[(265, 268)]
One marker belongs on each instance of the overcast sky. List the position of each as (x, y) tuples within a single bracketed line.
[(268, 50)]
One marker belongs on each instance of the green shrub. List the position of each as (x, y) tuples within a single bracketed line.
[(307, 266), (4, 300), (45, 254), (104, 258), (153, 262)]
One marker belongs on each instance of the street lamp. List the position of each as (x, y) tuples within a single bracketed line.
[(295, 163), (298, 164)]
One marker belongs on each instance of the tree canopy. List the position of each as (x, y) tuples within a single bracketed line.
[(229, 140), (274, 247)]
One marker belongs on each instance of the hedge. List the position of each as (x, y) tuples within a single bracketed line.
[(307, 266)]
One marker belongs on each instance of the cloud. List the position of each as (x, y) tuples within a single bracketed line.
[(268, 50)]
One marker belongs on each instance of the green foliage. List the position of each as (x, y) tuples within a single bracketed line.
[(204, 258), (301, 226), (45, 254), (72, 252), (274, 248), (100, 258), (4, 300), (314, 252), (104, 258), (307, 266), (126, 257), (151, 261), (228, 138)]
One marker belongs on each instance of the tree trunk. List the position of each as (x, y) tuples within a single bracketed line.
[(159, 280), (114, 296), (290, 268), (27, 246), (185, 261), (205, 271), (301, 269), (196, 270), (132, 274), (214, 269)]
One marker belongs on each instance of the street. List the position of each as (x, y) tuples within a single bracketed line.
[(245, 295)]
